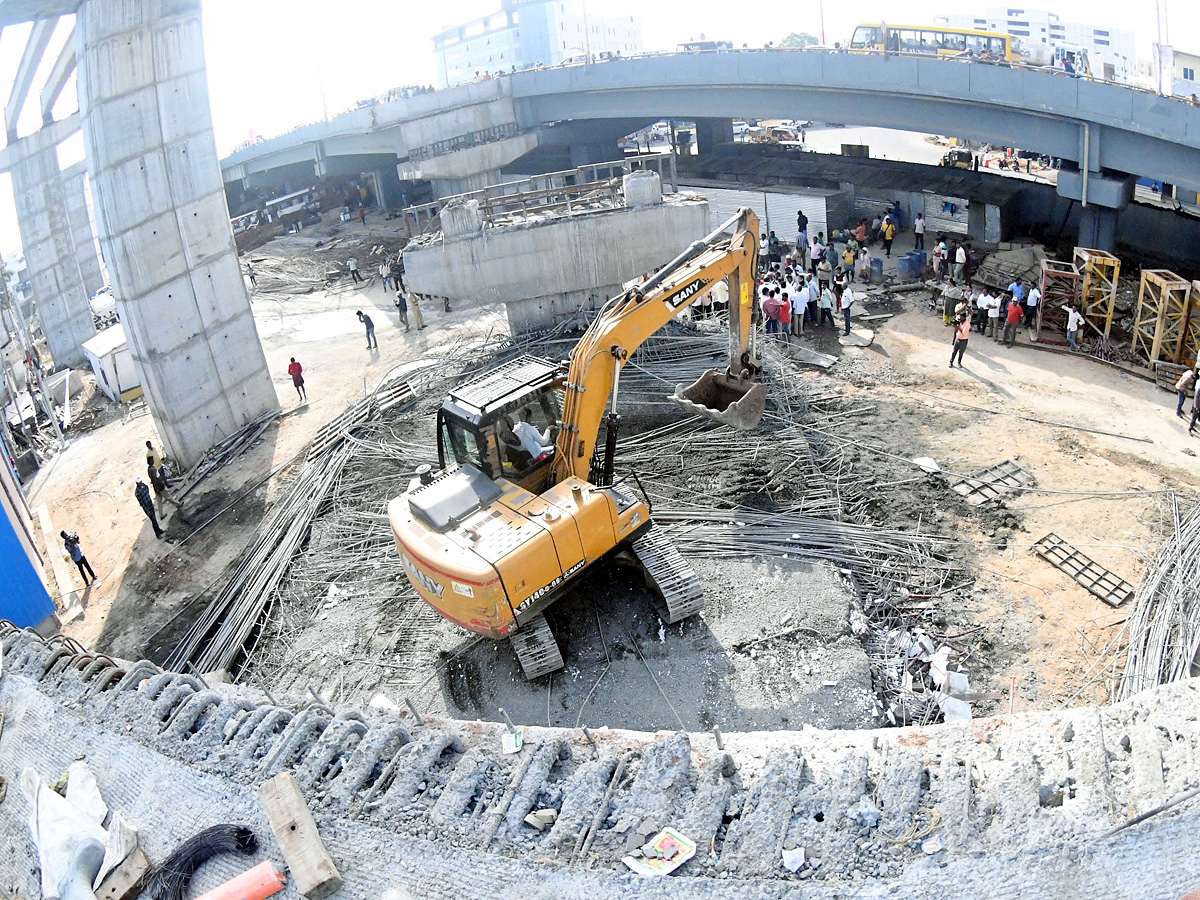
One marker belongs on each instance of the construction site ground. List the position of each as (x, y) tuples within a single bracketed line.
[(1016, 618)]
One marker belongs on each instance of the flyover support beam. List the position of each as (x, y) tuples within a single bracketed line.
[(40, 193), (1106, 194), (711, 132), (163, 224), (35, 49)]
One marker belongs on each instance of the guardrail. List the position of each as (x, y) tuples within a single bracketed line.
[(553, 188)]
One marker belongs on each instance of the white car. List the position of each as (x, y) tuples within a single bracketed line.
[(740, 127)]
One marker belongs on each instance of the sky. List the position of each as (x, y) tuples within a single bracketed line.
[(275, 64)]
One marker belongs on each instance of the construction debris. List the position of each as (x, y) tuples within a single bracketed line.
[(1112, 589), (295, 831), (993, 482)]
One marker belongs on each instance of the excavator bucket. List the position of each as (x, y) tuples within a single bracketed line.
[(730, 401)]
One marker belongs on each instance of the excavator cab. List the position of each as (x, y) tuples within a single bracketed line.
[(505, 424)]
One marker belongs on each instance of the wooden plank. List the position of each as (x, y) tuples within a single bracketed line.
[(313, 872), (125, 881)]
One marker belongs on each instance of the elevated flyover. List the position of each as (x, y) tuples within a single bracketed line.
[(1108, 132)]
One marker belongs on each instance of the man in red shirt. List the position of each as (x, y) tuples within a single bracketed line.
[(296, 370), (1011, 319)]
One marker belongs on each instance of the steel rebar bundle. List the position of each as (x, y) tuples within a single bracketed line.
[(1163, 630)]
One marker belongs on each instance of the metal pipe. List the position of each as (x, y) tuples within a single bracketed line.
[(1087, 161)]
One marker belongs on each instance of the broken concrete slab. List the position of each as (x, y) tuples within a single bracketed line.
[(807, 357), (858, 337)]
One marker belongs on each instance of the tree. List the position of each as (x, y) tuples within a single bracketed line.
[(799, 41)]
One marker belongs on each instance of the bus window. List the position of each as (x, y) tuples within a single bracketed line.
[(893, 41), (996, 46), (955, 43), (865, 36)]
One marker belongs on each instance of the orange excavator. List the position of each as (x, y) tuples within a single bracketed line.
[(525, 500)]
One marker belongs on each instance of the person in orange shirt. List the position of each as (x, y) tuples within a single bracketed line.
[(962, 333)]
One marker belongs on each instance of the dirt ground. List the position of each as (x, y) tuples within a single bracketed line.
[(143, 583), (892, 401), (1104, 494)]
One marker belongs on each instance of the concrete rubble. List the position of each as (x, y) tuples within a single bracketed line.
[(891, 812)]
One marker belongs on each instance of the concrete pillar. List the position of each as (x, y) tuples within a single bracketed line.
[(42, 216), (164, 228), (710, 132), (83, 238), (1098, 228)]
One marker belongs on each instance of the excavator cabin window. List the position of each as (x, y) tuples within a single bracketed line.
[(511, 445)]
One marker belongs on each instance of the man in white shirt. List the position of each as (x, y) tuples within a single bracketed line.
[(812, 290), (799, 300), (960, 262), (1074, 320), (847, 302), (533, 442), (993, 308), (919, 231), (1031, 305)]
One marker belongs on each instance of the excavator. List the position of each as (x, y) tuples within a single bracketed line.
[(525, 500)]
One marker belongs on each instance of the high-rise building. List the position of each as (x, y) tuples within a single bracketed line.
[(526, 33), (1111, 51)]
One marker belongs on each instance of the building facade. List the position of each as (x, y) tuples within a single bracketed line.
[(1111, 51), (1187, 69), (523, 34)]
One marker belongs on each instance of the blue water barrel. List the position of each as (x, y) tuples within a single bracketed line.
[(877, 270)]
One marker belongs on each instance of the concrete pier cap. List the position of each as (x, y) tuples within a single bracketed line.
[(461, 218), (642, 188)]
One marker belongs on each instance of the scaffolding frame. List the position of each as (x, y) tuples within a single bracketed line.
[(1100, 271), (1060, 287), (1161, 321), (1191, 331)]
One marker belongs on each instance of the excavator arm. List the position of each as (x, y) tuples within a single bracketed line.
[(629, 319)]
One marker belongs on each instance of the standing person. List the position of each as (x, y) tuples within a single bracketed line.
[(153, 454), (919, 232), (812, 290), (1186, 382), (876, 224), (398, 273), (995, 328), (763, 260), (366, 320), (827, 308), (1031, 305), (816, 252), (824, 273), (416, 311), (889, 235), (860, 233), (799, 307), (362, 214), (142, 493), (1074, 320), (773, 254), (402, 309), (162, 493), (847, 302), (297, 372), (250, 274), (951, 294), (960, 261), (939, 260), (785, 317), (1017, 289), (831, 254), (864, 262), (71, 545), (352, 265), (1012, 318), (770, 308), (385, 275), (962, 333)]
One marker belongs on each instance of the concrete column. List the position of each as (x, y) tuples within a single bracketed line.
[(42, 216), (710, 132), (83, 238), (1098, 228), (163, 224)]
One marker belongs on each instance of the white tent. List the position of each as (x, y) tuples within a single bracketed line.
[(108, 352)]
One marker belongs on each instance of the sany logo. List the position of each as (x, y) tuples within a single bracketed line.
[(421, 578), (684, 294)]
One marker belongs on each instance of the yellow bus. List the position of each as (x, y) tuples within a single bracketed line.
[(935, 41)]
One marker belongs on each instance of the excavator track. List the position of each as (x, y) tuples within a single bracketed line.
[(668, 573), (536, 648)]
